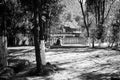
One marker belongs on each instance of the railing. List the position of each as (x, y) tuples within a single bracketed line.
[(69, 40)]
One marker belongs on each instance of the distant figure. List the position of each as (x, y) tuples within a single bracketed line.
[(58, 42)]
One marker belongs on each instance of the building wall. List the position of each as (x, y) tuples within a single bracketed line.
[(68, 40)]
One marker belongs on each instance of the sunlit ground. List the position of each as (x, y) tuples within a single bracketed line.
[(78, 63)]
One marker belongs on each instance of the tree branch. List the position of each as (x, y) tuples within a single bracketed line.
[(109, 9), (84, 17)]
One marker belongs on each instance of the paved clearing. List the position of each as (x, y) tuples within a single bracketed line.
[(77, 63)]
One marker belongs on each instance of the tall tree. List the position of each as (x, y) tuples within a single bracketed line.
[(85, 16), (41, 10), (101, 10), (15, 20), (86, 19)]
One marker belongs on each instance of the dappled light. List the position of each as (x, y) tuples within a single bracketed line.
[(59, 39), (73, 63)]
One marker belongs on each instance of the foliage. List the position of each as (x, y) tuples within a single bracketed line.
[(77, 18), (100, 9), (68, 17), (44, 13), (20, 18), (115, 31)]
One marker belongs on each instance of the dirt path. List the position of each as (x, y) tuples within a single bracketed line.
[(78, 63)]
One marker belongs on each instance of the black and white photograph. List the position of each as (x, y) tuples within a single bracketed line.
[(59, 39)]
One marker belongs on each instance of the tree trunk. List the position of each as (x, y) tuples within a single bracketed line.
[(3, 51), (93, 41), (112, 44), (36, 38), (42, 51), (85, 21), (84, 18), (3, 43), (42, 40), (37, 50), (42, 26)]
